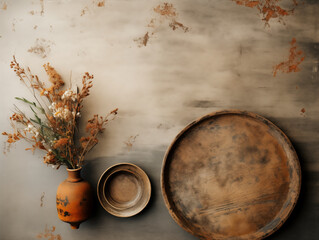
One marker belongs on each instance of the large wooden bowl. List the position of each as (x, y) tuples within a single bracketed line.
[(231, 175)]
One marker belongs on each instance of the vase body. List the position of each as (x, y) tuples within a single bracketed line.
[(74, 199)]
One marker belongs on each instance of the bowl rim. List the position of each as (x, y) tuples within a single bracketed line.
[(170, 206), (140, 173)]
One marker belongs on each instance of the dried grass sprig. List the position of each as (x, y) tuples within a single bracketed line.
[(53, 124)]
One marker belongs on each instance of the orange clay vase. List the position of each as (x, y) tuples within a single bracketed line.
[(74, 199)]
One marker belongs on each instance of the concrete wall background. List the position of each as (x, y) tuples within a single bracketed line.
[(224, 61)]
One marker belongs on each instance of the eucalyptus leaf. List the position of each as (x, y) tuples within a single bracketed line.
[(26, 101), (31, 103), (32, 120)]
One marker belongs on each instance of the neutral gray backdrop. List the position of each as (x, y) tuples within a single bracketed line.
[(224, 61)]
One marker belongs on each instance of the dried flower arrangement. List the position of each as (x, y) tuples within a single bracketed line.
[(56, 112)]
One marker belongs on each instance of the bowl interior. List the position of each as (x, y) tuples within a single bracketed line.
[(124, 190)]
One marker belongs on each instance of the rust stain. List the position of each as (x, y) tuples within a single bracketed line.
[(84, 10), (166, 12), (142, 41), (41, 12), (101, 3), (174, 25), (4, 6), (92, 5), (42, 199), (268, 8), (152, 23), (49, 234), (41, 47), (166, 9), (303, 112), (296, 57), (42, 7), (129, 143), (5, 148)]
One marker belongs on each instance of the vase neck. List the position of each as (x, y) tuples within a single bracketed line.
[(74, 175)]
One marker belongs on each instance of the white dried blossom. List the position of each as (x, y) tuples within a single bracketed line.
[(66, 113), (58, 112), (29, 127), (32, 129), (52, 106), (68, 94)]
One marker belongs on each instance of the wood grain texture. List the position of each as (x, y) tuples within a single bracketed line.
[(231, 175)]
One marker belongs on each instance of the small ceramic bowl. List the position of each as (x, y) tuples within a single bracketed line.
[(124, 190)]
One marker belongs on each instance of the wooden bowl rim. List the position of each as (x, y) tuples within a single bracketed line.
[(231, 112)]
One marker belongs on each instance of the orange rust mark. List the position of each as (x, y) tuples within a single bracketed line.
[(101, 3), (247, 3), (84, 10), (142, 41), (41, 48), (166, 9), (92, 5), (42, 7), (166, 12), (49, 234), (303, 111), (130, 141), (174, 25), (152, 23), (41, 12), (292, 64), (5, 147), (4, 6), (268, 8)]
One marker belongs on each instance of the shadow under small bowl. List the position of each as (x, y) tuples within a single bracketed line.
[(124, 190)]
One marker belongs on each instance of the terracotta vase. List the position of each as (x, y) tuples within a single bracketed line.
[(74, 199)]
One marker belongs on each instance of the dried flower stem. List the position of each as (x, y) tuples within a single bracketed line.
[(55, 134)]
